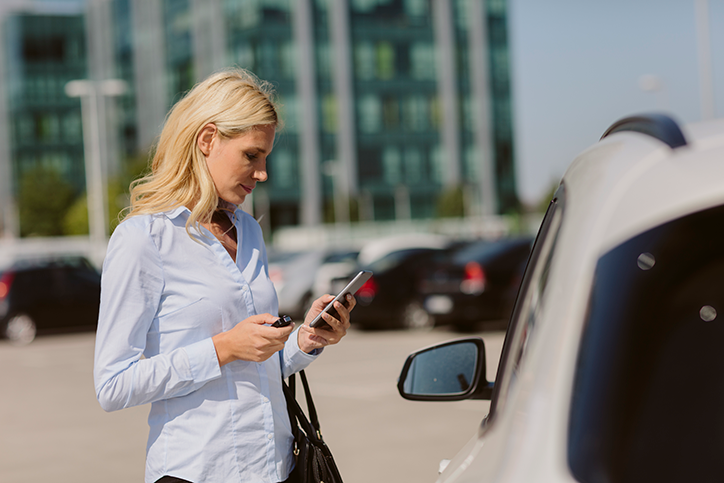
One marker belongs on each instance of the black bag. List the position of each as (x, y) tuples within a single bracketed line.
[(314, 461)]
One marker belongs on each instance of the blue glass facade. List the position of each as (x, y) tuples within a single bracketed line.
[(400, 98), (43, 53)]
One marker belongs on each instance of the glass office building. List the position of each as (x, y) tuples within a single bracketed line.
[(40, 126), (388, 104)]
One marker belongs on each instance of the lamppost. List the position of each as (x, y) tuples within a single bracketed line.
[(89, 92), (704, 53), (335, 171)]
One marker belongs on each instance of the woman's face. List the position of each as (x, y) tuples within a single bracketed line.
[(238, 163)]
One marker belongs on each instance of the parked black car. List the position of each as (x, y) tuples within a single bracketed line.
[(389, 299), (47, 296), (476, 282)]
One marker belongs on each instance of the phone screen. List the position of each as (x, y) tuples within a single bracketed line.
[(351, 288)]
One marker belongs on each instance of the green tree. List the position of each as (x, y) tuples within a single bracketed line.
[(451, 203), (44, 198), (117, 195)]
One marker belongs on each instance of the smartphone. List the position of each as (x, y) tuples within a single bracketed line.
[(351, 288), (282, 321)]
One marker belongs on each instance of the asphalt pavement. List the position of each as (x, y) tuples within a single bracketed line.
[(52, 428)]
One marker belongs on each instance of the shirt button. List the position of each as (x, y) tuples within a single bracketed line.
[(244, 288), (266, 399), (270, 436)]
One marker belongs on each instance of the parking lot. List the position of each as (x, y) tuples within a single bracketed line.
[(54, 429)]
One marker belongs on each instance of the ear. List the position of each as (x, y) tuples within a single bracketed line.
[(206, 138)]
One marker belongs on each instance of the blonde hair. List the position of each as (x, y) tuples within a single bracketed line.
[(235, 101)]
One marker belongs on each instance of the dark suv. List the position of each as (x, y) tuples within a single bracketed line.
[(47, 296)]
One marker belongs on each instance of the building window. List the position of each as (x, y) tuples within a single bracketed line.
[(364, 57), (25, 129), (413, 165), (364, 6), (289, 112), (44, 49), (416, 8), (390, 112), (249, 13), (329, 113), (323, 57), (462, 14), (281, 163), (437, 163), (422, 61), (467, 113), (370, 113), (472, 162), (244, 54), (385, 58), (415, 113), (288, 59), (392, 165), (435, 112)]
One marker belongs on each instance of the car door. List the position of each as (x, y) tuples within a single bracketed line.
[(78, 295), (531, 297)]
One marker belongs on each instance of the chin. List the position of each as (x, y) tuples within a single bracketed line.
[(234, 199)]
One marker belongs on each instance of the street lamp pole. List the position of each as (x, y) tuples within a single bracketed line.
[(89, 92), (704, 51)]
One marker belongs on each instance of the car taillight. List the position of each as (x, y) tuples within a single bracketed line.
[(368, 291), (474, 279), (5, 281)]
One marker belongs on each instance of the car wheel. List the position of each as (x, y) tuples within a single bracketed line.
[(415, 317), (20, 329)]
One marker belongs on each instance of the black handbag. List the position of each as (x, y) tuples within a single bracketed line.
[(314, 460)]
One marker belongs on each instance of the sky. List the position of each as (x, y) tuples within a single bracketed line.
[(577, 66)]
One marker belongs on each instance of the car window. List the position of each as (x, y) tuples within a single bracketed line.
[(481, 250), (648, 394), (528, 305), (394, 259), (339, 257)]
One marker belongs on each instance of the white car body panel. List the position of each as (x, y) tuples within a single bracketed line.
[(622, 186)]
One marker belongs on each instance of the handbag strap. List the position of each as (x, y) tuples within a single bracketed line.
[(311, 425), (310, 403)]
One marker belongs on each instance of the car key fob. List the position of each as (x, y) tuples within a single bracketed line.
[(282, 321)]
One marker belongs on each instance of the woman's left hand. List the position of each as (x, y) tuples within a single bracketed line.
[(310, 338)]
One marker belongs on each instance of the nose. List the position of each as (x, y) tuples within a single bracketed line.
[(260, 175)]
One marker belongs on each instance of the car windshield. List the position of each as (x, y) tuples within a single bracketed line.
[(648, 399)]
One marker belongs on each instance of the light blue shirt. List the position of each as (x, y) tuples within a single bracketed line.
[(163, 297)]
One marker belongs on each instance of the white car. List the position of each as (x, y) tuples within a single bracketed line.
[(612, 369)]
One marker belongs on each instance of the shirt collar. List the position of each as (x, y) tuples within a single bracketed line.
[(176, 212)]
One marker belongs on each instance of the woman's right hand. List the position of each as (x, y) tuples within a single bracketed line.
[(251, 340)]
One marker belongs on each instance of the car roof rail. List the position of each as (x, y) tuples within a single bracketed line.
[(659, 126)]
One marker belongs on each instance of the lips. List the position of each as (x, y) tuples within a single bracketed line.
[(248, 189)]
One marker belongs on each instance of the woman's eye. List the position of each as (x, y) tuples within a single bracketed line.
[(252, 156)]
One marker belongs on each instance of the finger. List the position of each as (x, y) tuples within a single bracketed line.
[(343, 312), (351, 302), (262, 319), (335, 330), (323, 300), (315, 336), (277, 333)]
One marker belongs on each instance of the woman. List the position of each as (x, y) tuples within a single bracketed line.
[(186, 300)]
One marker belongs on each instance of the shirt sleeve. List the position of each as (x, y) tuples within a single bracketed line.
[(295, 359), (131, 286)]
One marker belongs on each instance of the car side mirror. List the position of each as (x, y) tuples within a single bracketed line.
[(450, 371)]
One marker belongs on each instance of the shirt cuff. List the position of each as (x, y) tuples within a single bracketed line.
[(203, 361), (296, 350)]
